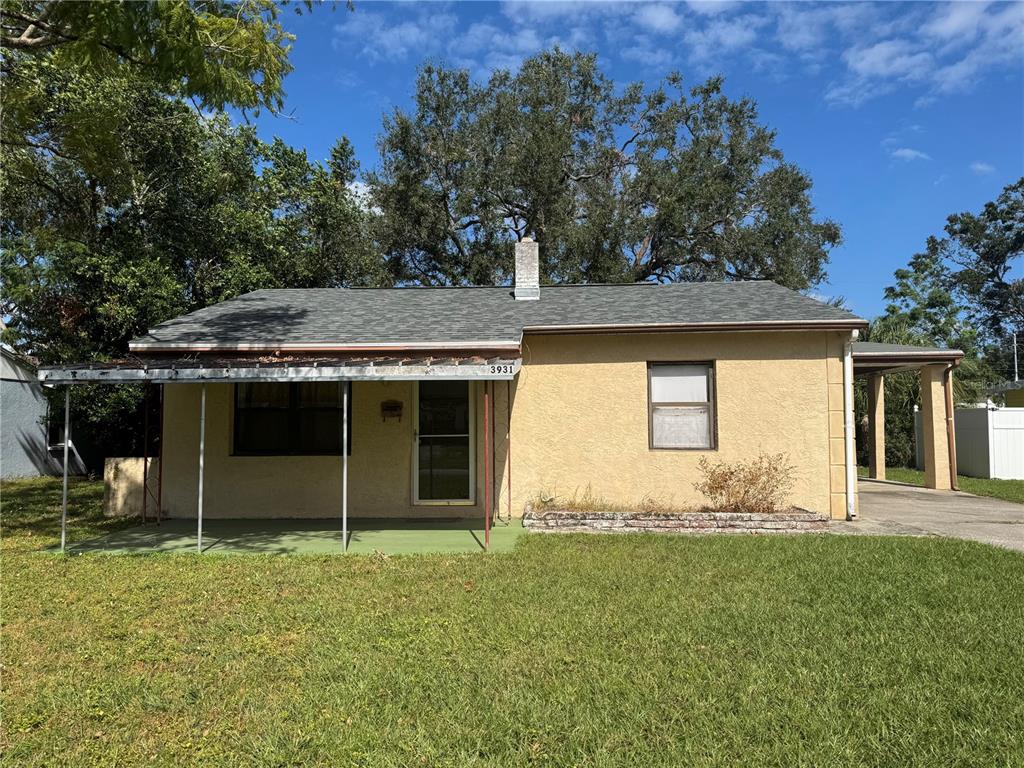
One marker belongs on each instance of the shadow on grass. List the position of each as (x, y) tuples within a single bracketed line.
[(31, 511), (31, 522)]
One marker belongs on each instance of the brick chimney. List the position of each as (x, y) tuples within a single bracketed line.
[(527, 270)]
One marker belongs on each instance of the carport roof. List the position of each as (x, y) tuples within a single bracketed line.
[(875, 357)]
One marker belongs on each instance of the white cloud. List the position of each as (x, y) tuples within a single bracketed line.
[(380, 38), (959, 21), (888, 58), (710, 7), (658, 18), (942, 48), (547, 11), (647, 56), (908, 155), (982, 169), (721, 37), (868, 50), (812, 30)]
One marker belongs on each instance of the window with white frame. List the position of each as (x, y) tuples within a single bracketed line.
[(681, 406)]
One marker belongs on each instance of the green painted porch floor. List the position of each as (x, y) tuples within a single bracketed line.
[(286, 537)]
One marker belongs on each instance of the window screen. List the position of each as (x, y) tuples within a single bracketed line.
[(681, 405), (279, 419)]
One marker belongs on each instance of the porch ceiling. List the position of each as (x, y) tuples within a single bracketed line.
[(199, 368)]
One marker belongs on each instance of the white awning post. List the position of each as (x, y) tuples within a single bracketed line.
[(67, 439), (202, 456), (344, 468)]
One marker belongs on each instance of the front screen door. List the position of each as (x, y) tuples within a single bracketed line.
[(444, 450)]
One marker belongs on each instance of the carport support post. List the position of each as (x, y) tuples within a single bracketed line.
[(933, 418), (876, 419), (947, 386), (202, 457), (67, 439)]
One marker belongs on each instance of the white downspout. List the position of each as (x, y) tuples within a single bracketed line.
[(848, 407)]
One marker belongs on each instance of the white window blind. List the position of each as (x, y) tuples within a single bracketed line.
[(681, 413)]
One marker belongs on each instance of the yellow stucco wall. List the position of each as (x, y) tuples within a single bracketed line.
[(580, 413), (380, 466), (579, 422)]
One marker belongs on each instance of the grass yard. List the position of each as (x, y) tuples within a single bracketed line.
[(1008, 490), (569, 650)]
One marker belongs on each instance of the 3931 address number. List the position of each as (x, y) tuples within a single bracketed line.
[(502, 369)]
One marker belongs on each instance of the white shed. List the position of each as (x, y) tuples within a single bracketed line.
[(989, 442)]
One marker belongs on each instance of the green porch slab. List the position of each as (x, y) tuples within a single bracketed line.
[(292, 537)]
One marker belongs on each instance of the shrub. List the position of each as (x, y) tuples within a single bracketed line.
[(762, 484)]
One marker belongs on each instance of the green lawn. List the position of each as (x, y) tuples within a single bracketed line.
[(1009, 490), (569, 650)]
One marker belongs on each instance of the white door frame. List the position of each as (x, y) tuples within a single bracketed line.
[(416, 500)]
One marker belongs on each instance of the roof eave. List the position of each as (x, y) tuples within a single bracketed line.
[(842, 324)]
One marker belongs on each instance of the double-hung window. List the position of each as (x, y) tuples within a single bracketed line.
[(279, 418), (681, 408)]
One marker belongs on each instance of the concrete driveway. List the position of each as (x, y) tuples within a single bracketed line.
[(895, 509)]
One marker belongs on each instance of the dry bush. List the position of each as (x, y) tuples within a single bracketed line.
[(762, 484)]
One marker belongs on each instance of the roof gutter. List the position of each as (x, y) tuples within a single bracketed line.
[(849, 447), (761, 325), (937, 356)]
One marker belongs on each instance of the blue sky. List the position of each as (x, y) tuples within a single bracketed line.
[(901, 113)]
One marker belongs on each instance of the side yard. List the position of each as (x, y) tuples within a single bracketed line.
[(568, 650), (1008, 490)]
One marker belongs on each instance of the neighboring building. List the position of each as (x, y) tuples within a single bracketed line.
[(1012, 392), (25, 450), (466, 399)]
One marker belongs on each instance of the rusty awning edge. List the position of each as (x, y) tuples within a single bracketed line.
[(448, 369)]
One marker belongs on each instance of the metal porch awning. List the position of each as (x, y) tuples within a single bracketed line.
[(202, 368), (271, 368)]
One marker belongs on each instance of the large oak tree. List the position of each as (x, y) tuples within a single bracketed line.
[(617, 184)]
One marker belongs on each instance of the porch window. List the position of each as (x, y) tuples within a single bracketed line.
[(280, 419), (681, 405)]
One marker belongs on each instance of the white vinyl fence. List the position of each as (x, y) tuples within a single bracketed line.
[(989, 442)]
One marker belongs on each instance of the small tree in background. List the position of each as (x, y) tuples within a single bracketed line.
[(958, 293)]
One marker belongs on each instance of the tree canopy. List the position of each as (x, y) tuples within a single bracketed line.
[(179, 211), (617, 184), (93, 255), (220, 53), (986, 246)]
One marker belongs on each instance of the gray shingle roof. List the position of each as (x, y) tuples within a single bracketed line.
[(481, 316)]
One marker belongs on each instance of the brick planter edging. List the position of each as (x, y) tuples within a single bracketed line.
[(567, 521)]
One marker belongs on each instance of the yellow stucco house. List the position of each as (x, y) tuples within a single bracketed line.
[(451, 402)]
